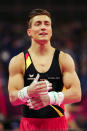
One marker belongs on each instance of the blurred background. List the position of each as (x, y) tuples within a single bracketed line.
[(69, 21)]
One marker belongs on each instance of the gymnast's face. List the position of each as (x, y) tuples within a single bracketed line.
[(41, 29)]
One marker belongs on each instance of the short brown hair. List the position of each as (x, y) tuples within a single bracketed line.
[(36, 12)]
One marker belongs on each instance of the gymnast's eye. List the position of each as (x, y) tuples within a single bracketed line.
[(47, 23), (38, 23)]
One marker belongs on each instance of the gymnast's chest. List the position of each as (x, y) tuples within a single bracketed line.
[(42, 65)]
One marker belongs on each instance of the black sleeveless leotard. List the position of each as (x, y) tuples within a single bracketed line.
[(54, 76)]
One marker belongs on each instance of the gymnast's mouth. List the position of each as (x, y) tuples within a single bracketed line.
[(43, 33)]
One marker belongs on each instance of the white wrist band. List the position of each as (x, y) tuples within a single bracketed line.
[(23, 95), (60, 98), (56, 98), (52, 99)]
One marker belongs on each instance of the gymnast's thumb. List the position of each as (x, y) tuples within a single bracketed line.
[(37, 78)]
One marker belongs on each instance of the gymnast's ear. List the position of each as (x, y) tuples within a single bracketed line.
[(29, 32)]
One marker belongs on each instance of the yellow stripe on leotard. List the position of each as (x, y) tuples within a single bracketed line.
[(59, 112), (64, 88), (28, 62)]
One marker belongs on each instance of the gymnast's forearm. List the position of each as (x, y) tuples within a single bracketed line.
[(14, 99), (72, 95)]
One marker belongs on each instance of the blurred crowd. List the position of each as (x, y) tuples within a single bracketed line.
[(71, 37)]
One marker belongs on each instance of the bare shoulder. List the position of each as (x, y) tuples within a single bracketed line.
[(66, 62), (17, 64)]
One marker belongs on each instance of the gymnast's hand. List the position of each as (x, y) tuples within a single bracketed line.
[(41, 99), (38, 102), (38, 87)]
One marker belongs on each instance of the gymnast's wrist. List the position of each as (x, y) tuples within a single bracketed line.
[(23, 94), (56, 98)]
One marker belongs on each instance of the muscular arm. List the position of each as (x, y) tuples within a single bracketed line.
[(16, 79), (72, 94), (71, 81)]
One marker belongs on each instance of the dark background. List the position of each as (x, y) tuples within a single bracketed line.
[(69, 21)]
